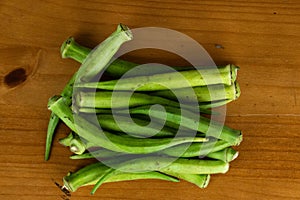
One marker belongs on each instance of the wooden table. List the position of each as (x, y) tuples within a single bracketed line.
[(262, 37)]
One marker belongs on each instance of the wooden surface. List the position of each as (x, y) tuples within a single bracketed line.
[(262, 37)]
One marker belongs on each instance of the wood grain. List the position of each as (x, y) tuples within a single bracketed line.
[(262, 37)]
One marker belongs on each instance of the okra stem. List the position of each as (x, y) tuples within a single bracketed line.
[(76, 144), (71, 49)]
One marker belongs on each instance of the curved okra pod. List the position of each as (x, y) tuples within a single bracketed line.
[(89, 68), (53, 122), (71, 49), (110, 141), (91, 174), (66, 95), (193, 170), (99, 58)]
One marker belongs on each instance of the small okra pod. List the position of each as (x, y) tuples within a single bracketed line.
[(99, 58)]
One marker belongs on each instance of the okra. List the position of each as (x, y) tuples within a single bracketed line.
[(119, 99), (226, 155), (140, 129), (97, 60), (203, 93), (110, 141), (200, 180), (88, 70), (66, 95), (168, 164), (90, 175), (204, 125), (71, 49), (213, 150), (195, 149), (172, 80)]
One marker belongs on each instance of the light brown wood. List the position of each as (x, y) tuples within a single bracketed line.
[(262, 37)]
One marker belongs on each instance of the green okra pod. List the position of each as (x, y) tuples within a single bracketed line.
[(172, 80), (53, 122), (110, 141), (108, 122), (101, 154), (183, 151), (90, 174), (168, 164), (195, 149), (174, 117), (203, 93), (89, 69), (66, 95), (119, 99), (226, 155), (97, 60), (71, 49)]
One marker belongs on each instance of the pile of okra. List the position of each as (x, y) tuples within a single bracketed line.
[(134, 138)]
